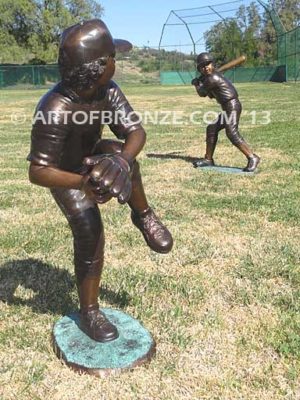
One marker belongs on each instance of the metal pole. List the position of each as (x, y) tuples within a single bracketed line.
[(188, 29), (285, 37), (216, 12), (295, 55), (160, 40)]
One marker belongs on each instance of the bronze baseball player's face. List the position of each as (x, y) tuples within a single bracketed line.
[(207, 69), (109, 71)]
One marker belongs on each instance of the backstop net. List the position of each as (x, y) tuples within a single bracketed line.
[(184, 34)]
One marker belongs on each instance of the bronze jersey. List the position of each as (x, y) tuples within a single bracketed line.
[(216, 86), (66, 127)]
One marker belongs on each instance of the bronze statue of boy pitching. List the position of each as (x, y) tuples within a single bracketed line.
[(69, 156)]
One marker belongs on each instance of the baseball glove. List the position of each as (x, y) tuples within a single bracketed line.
[(109, 176)]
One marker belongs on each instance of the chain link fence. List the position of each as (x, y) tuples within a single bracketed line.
[(148, 66), (289, 53), (139, 67)]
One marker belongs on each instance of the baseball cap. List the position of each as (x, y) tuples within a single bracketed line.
[(87, 41)]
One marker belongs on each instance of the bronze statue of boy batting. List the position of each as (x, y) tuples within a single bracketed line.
[(214, 85)]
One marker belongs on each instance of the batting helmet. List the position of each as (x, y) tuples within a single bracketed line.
[(204, 59)]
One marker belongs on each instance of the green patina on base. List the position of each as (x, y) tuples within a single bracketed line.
[(226, 170), (133, 346)]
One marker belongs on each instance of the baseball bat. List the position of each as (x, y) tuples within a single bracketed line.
[(231, 64)]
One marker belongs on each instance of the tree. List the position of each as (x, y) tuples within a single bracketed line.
[(251, 34), (233, 37), (19, 27), (224, 40), (288, 11)]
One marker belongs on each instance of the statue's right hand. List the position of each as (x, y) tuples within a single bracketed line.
[(94, 191)]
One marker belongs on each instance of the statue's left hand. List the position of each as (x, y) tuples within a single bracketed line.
[(195, 82)]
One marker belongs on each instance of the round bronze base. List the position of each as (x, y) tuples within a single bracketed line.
[(133, 347)]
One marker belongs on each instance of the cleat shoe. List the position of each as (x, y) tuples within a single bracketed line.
[(252, 163), (203, 162), (94, 323), (156, 235)]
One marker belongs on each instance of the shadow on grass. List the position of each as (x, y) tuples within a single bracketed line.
[(41, 286), (121, 298), (189, 159), (46, 288), (173, 156)]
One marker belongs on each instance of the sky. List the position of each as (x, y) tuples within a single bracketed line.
[(141, 22)]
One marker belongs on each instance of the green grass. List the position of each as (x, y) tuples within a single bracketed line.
[(223, 306)]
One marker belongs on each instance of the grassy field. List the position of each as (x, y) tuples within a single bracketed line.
[(223, 306)]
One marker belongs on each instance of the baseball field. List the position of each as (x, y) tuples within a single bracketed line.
[(223, 306)]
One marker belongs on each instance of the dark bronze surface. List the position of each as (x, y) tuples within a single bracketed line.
[(155, 233), (59, 147), (63, 143), (84, 53), (203, 59), (110, 174), (214, 85), (95, 324), (87, 41)]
